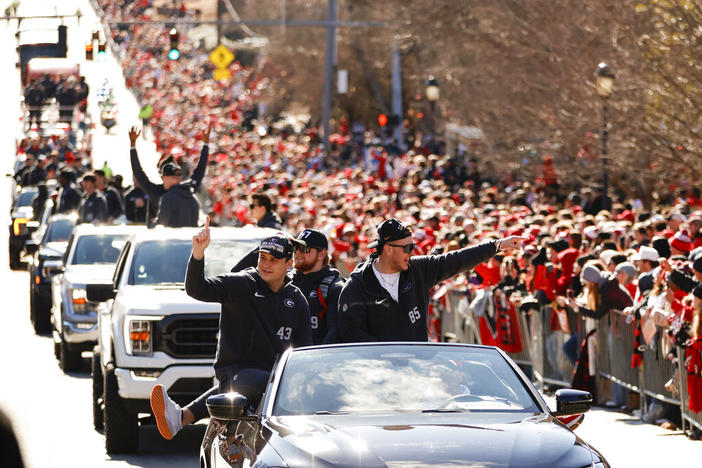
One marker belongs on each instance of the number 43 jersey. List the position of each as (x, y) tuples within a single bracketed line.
[(256, 324)]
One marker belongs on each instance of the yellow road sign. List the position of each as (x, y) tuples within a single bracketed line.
[(221, 56), (221, 74)]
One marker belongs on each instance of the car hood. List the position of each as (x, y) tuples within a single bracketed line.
[(158, 299), (89, 274), (22, 212), (444, 440)]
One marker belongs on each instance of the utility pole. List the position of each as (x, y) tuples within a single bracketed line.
[(329, 64), (397, 94), (219, 22)]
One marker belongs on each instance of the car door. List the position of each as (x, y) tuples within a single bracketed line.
[(105, 309)]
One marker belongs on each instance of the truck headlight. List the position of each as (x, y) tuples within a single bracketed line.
[(80, 303), (138, 335)]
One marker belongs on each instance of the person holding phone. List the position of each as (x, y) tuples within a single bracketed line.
[(387, 296)]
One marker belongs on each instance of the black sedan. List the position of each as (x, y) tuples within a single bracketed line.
[(396, 405)]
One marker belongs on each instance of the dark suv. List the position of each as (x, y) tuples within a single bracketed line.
[(47, 248)]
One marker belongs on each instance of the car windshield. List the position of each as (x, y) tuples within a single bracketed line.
[(165, 262), (399, 378), (98, 249), (59, 230), (25, 198)]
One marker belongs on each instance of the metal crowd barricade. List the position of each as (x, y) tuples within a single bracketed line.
[(688, 417), (657, 370), (457, 321), (619, 343), (551, 362)]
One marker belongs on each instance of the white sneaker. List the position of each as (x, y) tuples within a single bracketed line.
[(168, 413)]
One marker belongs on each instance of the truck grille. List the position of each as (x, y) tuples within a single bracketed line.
[(188, 336)]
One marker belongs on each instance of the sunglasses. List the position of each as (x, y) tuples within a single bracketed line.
[(407, 248)]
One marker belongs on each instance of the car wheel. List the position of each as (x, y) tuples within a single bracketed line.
[(14, 259), (69, 360), (121, 426), (39, 313), (96, 372)]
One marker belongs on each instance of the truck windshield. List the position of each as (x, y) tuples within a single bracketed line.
[(165, 261), (98, 249)]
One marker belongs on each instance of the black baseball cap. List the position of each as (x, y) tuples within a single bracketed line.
[(314, 239), (391, 230), (171, 169), (280, 246)]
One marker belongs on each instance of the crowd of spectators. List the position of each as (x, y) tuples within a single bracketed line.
[(646, 260)]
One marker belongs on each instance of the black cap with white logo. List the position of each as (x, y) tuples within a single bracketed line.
[(391, 230)]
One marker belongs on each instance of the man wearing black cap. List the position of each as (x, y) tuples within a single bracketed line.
[(263, 313), (387, 296), (93, 209), (320, 284), (181, 207)]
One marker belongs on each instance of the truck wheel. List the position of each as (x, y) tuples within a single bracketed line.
[(121, 426), (14, 259), (69, 361), (96, 372), (39, 313)]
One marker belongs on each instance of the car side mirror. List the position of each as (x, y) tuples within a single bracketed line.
[(32, 226), (31, 246), (569, 402), (99, 292), (229, 406)]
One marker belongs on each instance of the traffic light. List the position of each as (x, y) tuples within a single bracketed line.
[(101, 49), (382, 120), (89, 51), (174, 53)]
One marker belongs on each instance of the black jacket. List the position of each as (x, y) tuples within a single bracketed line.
[(270, 220), (69, 198), (155, 191), (368, 313), (324, 323), (179, 207), (256, 324), (132, 212), (94, 208), (114, 202)]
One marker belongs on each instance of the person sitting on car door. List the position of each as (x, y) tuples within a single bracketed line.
[(387, 297), (262, 315), (319, 282)]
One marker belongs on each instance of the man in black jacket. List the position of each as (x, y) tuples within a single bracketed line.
[(69, 196), (112, 195), (387, 296), (94, 206), (178, 207), (262, 315), (320, 284), (175, 215), (262, 210)]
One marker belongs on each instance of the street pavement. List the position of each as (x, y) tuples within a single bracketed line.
[(51, 411)]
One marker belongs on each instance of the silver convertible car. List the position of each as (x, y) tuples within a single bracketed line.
[(396, 405)]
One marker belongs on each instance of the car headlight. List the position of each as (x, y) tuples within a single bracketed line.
[(80, 302), (138, 335)]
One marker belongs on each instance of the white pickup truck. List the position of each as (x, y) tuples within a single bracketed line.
[(151, 332)]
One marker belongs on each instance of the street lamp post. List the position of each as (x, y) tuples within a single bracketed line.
[(605, 85), (432, 93)]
